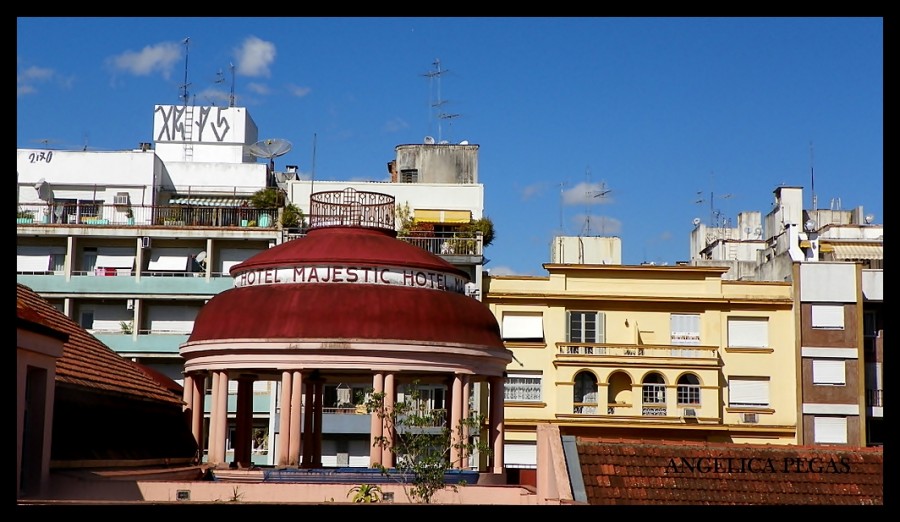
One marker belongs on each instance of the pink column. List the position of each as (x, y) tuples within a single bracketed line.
[(243, 445), (284, 419), (221, 417), (466, 390), (377, 428), (308, 427), (296, 411), (455, 426), (390, 398), (496, 422), (213, 412), (318, 398), (199, 402), (187, 394)]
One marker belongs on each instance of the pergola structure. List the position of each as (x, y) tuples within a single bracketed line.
[(348, 302)]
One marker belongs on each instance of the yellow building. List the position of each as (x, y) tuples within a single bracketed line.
[(646, 352)]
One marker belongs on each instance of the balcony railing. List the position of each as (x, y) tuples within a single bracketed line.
[(146, 215), (875, 398), (568, 348), (441, 244)]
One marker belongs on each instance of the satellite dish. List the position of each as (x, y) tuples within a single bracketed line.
[(869, 218), (201, 257), (429, 140), (696, 221), (464, 142), (270, 149), (43, 189)]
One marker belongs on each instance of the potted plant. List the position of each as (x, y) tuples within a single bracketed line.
[(24, 216)]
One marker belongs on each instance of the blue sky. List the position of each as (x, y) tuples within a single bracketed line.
[(676, 118)]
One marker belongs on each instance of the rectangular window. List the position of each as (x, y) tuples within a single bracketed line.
[(829, 372), (523, 326), (748, 332), (409, 176), (689, 394), (685, 329), (89, 259), (828, 316), (522, 387), (587, 327), (87, 319), (830, 430), (870, 328), (748, 392)]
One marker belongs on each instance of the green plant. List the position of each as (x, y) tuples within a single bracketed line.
[(365, 493), (27, 214), (404, 219), (421, 442), (483, 225), (127, 327), (292, 217), (236, 494), (270, 197)]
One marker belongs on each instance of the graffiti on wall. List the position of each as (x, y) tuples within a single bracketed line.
[(204, 123)]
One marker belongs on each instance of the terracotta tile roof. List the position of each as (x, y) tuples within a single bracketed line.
[(669, 473), (86, 362)]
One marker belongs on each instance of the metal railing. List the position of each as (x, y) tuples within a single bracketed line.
[(568, 348), (441, 244), (146, 215)]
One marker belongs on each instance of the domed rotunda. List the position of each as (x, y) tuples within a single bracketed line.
[(347, 303)]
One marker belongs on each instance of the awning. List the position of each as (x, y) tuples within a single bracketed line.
[(858, 251), (32, 263), (805, 244), (115, 258), (174, 263), (442, 216), (209, 201)]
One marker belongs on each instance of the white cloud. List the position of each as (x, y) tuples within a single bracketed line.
[(501, 270), (299, 91), (28, 78), (258, 88), (214, 96), (254, 57), (159, 58), (395, 125), (530, 191)]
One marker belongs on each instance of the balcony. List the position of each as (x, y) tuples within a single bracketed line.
[(146, 215), (448, 246), (656, 354), (875, 397)]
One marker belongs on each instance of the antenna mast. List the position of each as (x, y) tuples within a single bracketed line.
[(184, 86), (812, 176), (231, 96), (435, 77)]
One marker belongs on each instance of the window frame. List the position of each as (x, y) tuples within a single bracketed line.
[(824, 369), (822, 422), (680, 337), (599, 326), (525, 389), (747, 335), (827, 316), (763, 381)]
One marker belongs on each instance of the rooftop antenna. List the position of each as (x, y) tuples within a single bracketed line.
[(714, 213), (602, 192), (434, 77), (312, 178), (184, 86), (812, 177), (270, 149), (231, 96)]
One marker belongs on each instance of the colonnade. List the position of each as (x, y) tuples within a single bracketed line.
[(300, 441)]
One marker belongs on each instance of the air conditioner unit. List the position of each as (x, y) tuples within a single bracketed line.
[(121, 199), (690, 413), (750, 418), (129, 304), (145, 242)]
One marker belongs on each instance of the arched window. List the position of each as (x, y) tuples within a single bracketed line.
[(688, 391), (585, 393), (653, 395)]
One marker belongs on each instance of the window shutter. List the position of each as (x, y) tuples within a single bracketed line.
[(831, 430), (748, 392), (829, 372), (601, 327), (827, 316), (748, 332)]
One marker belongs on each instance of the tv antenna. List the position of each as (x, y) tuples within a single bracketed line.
[(590, 195), (812, 177), (434, 78), (270, 149), (716, 218), (231, 95), (184, 86)]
